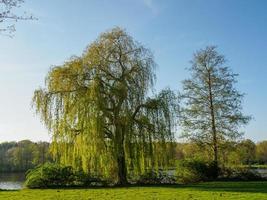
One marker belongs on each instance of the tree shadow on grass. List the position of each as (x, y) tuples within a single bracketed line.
[(225, 186), (245, 186), (248, 187)]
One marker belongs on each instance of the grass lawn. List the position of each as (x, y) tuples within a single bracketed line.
[(210, 191)]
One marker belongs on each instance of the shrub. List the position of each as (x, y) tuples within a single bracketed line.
[(240, 174), (55, 176), (190, 171), (49, 175)]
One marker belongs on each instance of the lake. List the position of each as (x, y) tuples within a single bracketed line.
[(261, 171), (11, 181)]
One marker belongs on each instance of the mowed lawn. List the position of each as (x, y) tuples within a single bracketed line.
[(211, 190)]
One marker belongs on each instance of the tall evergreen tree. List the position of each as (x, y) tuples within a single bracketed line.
[(99, 112), (211, 106)]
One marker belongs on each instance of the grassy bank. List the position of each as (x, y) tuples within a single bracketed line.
[(214, 190)]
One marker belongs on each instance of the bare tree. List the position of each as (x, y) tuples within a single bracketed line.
[(9, 15), (212, 107)]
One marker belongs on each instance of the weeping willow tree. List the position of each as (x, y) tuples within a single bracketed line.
[(98, 109)]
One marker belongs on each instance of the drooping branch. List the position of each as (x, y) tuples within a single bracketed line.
[(104, 95)]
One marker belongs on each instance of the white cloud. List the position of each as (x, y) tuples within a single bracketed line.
[(152, 6), (149, 3)]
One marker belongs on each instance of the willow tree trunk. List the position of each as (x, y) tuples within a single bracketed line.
[(120, 153)]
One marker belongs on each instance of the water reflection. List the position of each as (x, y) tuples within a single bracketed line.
[(11, 181)]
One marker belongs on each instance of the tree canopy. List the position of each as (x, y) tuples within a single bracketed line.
[(211, 105), (23, 155), (101, 113)]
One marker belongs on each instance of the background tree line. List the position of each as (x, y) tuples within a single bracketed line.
[(244, 152), (24, 155)]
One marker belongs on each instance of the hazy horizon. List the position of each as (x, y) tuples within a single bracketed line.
[(173, 30)]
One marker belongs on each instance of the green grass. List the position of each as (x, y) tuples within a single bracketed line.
[(209, 191)]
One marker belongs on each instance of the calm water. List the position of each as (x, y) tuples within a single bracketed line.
[(262, 172), (11, 181)]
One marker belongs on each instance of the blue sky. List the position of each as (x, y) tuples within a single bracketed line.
[(172, 29)]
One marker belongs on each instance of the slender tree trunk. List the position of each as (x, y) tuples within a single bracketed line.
[(213, 128)]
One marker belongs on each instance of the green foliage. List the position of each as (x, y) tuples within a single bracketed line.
[(240, 173), (236, 158), (261, 152), (191, 170), (192, 150), (257, 166), (209, 99), (211, 107), (98, 109), (247, 151), (56, 176), (5, 161), (49, 175), (23, 155)]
